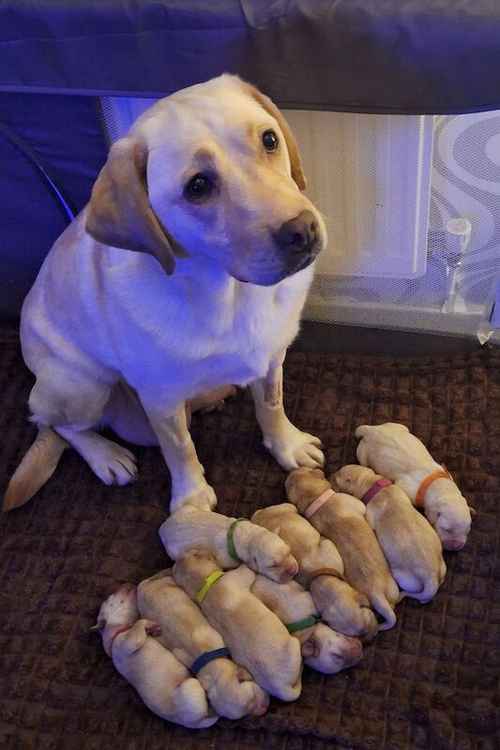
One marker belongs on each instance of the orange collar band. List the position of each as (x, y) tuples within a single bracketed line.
[(426, 483)]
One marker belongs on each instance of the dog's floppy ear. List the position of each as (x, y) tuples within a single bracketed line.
[(293, 149), (119, 213)]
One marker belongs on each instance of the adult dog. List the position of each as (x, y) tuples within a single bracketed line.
[(206, 191)]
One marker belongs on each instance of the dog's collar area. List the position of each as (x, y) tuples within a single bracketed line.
[(316, 504), (203, 659), (207, 585), (119, 631), (375, 489), (424, 485), (306, 622), (325, 572), (231, 548)]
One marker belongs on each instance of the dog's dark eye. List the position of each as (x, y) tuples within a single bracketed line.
[(270, 140), (199, 187)]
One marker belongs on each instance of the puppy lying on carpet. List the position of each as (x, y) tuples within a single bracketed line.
[(231, 690), (341, 518), (322, 648), (391, 450), (321, 571), (410, 545), (272, 658), (164, 684), (231, 541)]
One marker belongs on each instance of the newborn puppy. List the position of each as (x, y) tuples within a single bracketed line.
[(185, 631), (341, 518), (342, 607), (391, 450), (410, 544), (231, 542), (253, 634), (322, 648), (163, 683)]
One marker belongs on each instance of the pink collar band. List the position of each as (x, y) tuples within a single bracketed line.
[(375, 489), (316, 504)]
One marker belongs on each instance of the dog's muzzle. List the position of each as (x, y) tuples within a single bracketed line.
[(298, 241)]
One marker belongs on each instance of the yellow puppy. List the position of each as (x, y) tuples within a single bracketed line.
[(231, 541), (341, 518), (394, 452), (163, 683), (322, 648), (253, 634), (410, 544), (185, 631), (321, 571)]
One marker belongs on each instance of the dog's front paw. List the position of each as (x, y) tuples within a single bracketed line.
[(202, 498), (293, 448)]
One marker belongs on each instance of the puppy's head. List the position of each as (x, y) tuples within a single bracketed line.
[(330, 652), (212, 172), (451, 517), (232, 691), (192, 568), (355, 480), (343, 608), (271, 556), (118, 610), (305, 485)]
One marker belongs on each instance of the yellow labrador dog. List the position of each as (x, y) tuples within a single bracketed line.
[(187, 270)]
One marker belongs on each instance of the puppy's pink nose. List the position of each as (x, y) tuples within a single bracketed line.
[(292, 568), (354, 650), (260, 705), (453, 544)]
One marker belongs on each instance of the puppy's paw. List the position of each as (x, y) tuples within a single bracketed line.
[(293, 448), (202, 498)]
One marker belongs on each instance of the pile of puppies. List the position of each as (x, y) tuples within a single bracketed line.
[(249, 601)]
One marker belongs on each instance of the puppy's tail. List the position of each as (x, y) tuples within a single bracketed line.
[(381, 605), (35, 469)]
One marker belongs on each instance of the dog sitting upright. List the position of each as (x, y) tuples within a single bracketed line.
[(208, 182), (410, 544)]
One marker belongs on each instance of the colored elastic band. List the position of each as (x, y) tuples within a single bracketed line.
[(375, 489), (326, 572), (316, 504), (207, 657), (426, 483), (207, 585), (306, 622), (231, 549), (117, 632)]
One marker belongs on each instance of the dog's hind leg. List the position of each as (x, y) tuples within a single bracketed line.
[(112, 463)]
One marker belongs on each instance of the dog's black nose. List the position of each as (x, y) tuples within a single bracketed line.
[(299, 235)]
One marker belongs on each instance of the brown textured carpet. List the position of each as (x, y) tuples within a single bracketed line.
[(431, 682)]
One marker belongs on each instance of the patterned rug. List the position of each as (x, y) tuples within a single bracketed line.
[(431, 682)]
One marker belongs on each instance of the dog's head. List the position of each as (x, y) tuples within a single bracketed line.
[(211, 171)]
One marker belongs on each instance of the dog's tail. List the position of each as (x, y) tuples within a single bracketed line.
[(35, 469), (381, 605)]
